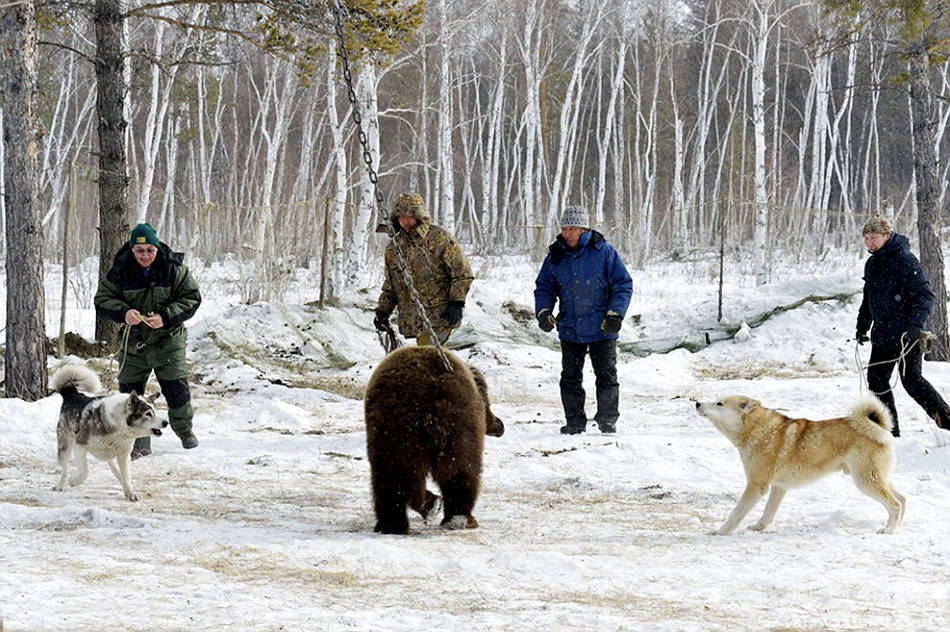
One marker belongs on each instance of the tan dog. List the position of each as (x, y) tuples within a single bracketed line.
[(781, 453)]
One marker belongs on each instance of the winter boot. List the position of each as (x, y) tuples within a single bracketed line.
[(571, 430), (188, 440)]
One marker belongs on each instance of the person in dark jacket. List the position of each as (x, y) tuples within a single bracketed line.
[(585, 276), (152, 292), (897, 301)]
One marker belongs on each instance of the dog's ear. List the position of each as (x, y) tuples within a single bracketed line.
[(747, 404), (151, 398)]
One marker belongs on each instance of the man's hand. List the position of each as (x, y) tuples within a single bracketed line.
[(612, 322), (381, 321), (912, 335), (133, 318), (154, 321), (453, 313), (861, 337), (546, 320)]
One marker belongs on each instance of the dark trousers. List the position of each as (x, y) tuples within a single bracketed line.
[(603, 357), (880, 367)]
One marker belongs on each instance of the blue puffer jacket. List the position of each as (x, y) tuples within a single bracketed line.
[(587, 282), (897, 293)]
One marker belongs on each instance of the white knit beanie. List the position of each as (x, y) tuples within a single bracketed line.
[(575, 216)]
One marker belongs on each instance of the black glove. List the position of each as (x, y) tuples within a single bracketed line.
[(546, 320), (381, 322), (453, 313), (861, 337), (912, 335), (612, 323)]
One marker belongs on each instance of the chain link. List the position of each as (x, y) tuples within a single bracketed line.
[(341, 14)]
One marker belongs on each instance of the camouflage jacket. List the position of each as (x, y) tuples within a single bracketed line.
[(440, 274), (167, 289)]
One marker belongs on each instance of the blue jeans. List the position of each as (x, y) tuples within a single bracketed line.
[(603, 357)]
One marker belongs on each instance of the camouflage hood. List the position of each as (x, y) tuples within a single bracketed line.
[(411, 205)]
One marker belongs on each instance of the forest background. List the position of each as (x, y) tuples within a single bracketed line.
[(766, 126)]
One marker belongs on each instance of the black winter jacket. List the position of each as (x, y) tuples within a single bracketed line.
[(897, 294)]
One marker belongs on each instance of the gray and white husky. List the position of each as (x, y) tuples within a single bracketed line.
[(104, 425)]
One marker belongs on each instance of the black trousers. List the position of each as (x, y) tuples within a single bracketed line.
[(880, 368), (603, 357)]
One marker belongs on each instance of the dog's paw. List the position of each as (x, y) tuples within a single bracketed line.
[(76, 480), (131, 497), (887, 530), (758, 526), (58, 487)]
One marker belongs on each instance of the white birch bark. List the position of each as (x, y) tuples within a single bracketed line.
[(367, 211), (336, 249), (446, 177), (761, 217)]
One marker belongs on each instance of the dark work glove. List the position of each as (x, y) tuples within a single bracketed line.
[(912, 335), (381, 322), (861, 337), (453, 313), (546, 320), (612, 323)]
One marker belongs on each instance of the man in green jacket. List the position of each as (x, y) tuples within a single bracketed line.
[(152, 292), (439, 270)]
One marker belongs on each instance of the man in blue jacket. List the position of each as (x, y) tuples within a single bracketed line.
[(897, 301), (585, 276)]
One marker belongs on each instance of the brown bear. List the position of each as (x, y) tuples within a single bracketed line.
[(423, 419)]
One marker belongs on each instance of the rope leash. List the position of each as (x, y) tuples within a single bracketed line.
[(124, 347), (925, 340)]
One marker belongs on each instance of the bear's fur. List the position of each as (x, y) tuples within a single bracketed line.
[(421, 420)]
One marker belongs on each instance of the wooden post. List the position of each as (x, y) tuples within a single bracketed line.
[(67, 220), (323, 262)]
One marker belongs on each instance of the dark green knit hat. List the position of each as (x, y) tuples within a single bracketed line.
[(143, 234)]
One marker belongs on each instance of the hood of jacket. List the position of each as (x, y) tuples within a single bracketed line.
[(894, 245)]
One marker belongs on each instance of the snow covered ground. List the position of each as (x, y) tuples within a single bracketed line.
[(268, 524)]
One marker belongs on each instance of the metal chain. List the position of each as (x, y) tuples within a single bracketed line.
[(341, 14)]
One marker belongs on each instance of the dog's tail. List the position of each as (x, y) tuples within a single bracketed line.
[(871, 418), (76, 377)]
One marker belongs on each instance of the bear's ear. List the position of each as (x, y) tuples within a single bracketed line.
[(494, 427)]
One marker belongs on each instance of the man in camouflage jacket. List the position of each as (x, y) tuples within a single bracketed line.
[(440, 273), (152, 292)]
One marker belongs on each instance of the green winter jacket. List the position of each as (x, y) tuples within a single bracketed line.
[(165, 288)]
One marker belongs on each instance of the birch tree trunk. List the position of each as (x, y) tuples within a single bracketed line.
[(25, 356), (446, 176), (761, 221), (367, 211), (113, 181), (531, 116), (335, 246)]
